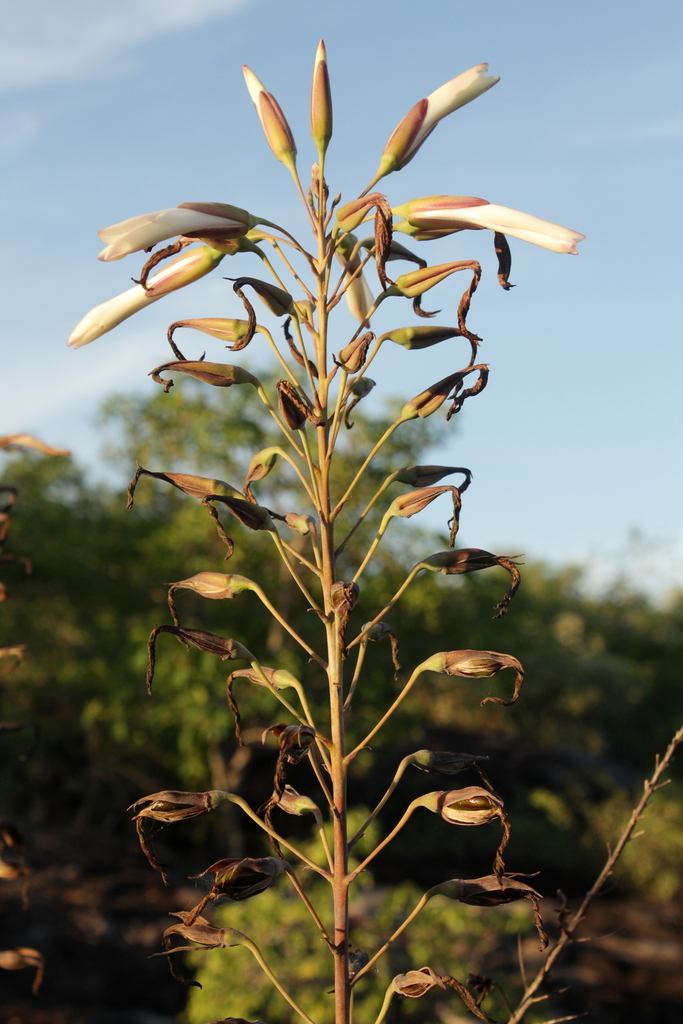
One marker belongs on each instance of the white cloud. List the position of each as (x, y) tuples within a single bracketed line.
[(46, 41)]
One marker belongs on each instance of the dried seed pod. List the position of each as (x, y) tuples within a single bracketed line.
[(176, 805), (352, 358), (454, 563), (251, 515), (259, 467), (493, 891), (278, 679), (221, 375), (445, 762), (414, 984), (24, 956), (470, 806), (239, 878), (477, 665), (295, 407), (343, 597), (275, 299), (294, 741), (426, 476), (359, 389), (292, 802)]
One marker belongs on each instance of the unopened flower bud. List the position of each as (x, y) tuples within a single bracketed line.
[(303, 524), (215, 585), (218, 327), (293, 740), (273, 121), (321, 101), (352, 214), (417, 282), (407, 505), (352, 357), (259, 467), (414, 338), (429, 401)]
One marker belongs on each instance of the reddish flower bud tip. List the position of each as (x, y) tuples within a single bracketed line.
[(321, 101)]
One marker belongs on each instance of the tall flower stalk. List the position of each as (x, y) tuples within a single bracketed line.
[(323, 378)]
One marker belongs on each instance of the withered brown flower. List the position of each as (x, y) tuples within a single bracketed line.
[(221, 375), (478, 665), (343, 597), (427, 402), (444, 762), (470, 806), (294, 741), (352, 357), (176, 805), (239, 878), (24, 956), (414, 984), (464, 560), (222, 647), (425, 476), (493, 891), (295, 406)]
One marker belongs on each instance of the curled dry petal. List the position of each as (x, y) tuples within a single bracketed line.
[(277, 300), (176, 805), (359, 389), (223, 648), (24, 956), (477, 665), (13, 441), (454, 563), (238, 878), (278, 678), (425, 476), (414, 984), (295, 406)]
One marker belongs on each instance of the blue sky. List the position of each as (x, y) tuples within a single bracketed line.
[(110, 108)]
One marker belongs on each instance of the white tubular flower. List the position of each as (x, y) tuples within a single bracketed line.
[(184, 270), (421, 121), (196, 219), (436, 213)]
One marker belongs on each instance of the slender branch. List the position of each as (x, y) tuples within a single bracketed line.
[(234, 799), (292, 632), (401, 928), (373, 547), (253, 948), (269, 338), (301, 558), (356, 674), (299, 582), (395, 781), (309, 906), (349, 490), (378, 494), (397, 596), (290, 268), (388, 996), (387, 715), (288, 458), (419, 802), (313, 754), (650, 786)]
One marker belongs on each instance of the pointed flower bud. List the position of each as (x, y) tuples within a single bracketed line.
[(454, 563), (259, 467), (273, 121), (187, 268), (477, 665), (414, 338), (419, 122), (238, 878), (321, 102), (444, 762), (277, 677), (417, 282), (174, 805), (414, 984), (352, 214), (352, 357), (292, 802), (251, 515), (460, 212), (218, 327), (220, 375), (214, 585), (359, 389), (148, 229), (425, 476)]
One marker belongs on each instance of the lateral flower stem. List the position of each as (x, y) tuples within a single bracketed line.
[(387, 715), (277, 540), (418, 802), (313, 754), (378, 494), (349, 491), (389, 994), (293, 240), (233, 798), (283, 426), (345, 270), (288, 458), (290, 268), (309, 906), (311, 468), (397, 778), (371, 550), (339, 294), (301, 558), (307, 365), (397, 596), (356, 676), (256, 952), (292, 632), (401, 928), (269, 338), (336, 418)]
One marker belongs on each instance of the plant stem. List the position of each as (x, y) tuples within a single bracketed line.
[(397, 778), (234, 799), (385, 717), (401, 928), (253, 948)]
